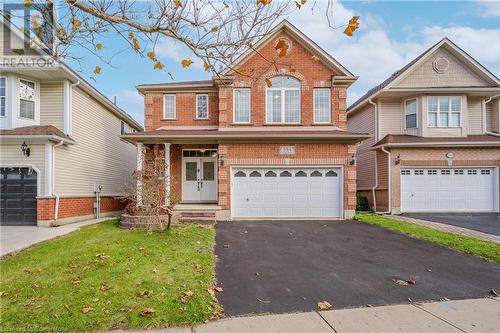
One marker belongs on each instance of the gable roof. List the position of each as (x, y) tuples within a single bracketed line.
[(300, 37), (75, 77), (399, 74)]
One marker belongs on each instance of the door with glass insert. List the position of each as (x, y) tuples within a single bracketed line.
[(199, 179)]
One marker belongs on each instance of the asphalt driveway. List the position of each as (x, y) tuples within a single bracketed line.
[(484, 222), (288, 266)]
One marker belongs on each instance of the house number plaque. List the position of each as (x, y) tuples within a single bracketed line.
[(287, 150)]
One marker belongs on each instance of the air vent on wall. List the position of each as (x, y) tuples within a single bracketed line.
[(441, 65)]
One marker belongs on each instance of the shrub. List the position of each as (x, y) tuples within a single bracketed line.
[(362, 203)]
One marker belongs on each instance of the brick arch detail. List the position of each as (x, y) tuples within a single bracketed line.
[(284, 71)]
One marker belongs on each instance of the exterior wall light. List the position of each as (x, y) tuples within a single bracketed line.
[(221, 160), (397, 161), (353, 160), (25, 149)]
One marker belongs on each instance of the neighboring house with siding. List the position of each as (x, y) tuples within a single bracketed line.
[(435, 142), (72, 133), (242, 149)]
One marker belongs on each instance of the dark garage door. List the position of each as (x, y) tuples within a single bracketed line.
[(18, 196)]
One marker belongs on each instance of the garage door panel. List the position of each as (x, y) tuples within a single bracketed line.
[(287, 192), (450, 189), (18, 191)]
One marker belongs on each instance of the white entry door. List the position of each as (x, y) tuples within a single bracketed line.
[(292, 192), (448, 189), (199, 179)]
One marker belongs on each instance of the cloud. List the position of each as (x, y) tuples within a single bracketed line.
[(487, 8), (373, 55), (132, 103), (176, 51)]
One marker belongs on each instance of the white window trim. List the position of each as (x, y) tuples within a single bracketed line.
[(283, 106), (249, 106), (404, 113), (438, 112), (208, 107), (175, 107), (35, 104), (6, 94), (329, 106)]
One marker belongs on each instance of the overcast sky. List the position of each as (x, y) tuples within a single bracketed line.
[(391, 34)]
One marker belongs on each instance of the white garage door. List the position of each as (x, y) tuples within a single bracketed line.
[(286, 192), (450, 189)]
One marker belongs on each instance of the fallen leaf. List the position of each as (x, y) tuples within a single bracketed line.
[(39, 269), (186, 295), (101, 255), (226, 246), (87, 309), (352, 26), (76, 280), (186, 63), (105, 287), (493, 292), (28, 270), (218, 289), (3, 293), (199, 268), (147, 311), (411, 281), (324, 305), (145, 293), (444, 299)]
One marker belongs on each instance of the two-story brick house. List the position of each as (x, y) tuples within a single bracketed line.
[(435, 142), (256, 150), (59, 140)]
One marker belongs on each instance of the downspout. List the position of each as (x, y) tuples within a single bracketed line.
[(483, 106), (69, 121), (56, 207), (389, 180), (374, 195)]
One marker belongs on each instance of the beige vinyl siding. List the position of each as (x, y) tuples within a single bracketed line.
[(11, 155), (99, 157), (494, 122), (391, 117), (382, 170), (363, 121), (52, 104), (489, 117), (458, 74), (475, 116)]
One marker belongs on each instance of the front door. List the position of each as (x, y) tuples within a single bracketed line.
[(199, 179)]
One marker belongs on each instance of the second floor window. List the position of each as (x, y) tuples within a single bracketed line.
[(411, 113), (3, 95), (283, 100), (322, 106), (202, 106), (169, 106), (444, 111), (241, 105), (26, 99)]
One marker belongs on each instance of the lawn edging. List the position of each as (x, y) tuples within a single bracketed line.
[(484, 249)]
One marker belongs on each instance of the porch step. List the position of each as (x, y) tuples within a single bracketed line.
[(197, 214), (196, 207), (197, 219)]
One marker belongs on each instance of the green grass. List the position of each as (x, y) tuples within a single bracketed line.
[(484, 249), (39, 287)]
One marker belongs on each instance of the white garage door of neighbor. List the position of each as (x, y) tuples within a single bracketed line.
[(448, 189), (286, 192)]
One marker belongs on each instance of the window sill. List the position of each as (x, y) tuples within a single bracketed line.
[(283, 124), (241, 124), (201, 119), (168, 119), (321, 124)]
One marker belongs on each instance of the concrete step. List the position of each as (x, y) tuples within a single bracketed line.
[(197, 214), (197, 219)]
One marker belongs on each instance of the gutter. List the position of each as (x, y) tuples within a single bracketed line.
[(442, 144), (483, 106), (55, 138)]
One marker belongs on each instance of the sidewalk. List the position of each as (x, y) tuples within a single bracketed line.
[(449, 228), (16, 238), (472, 315)]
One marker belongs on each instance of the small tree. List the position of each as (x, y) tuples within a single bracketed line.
[(146, 192)]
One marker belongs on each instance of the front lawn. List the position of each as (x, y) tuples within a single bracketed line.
[(103, 277), (487, 250)]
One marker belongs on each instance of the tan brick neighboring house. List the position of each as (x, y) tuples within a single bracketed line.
[(72, 133), (435, 142), (258, 152)]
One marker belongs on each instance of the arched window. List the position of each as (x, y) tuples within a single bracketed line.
[(283, 100)]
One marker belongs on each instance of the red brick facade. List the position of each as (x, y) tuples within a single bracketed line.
[(75, 207), (301, 63)]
